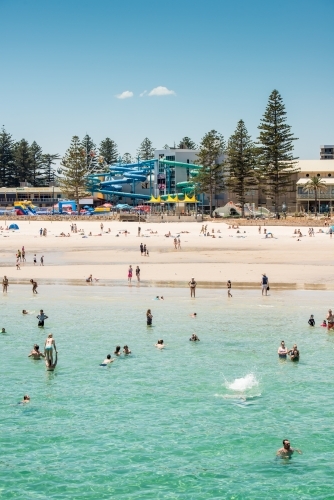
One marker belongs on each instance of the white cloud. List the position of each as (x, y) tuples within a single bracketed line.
[(125, 95), (161, 91), (143, 93)]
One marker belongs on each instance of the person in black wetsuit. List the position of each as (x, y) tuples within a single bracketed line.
[(311, 321), (149, 317)]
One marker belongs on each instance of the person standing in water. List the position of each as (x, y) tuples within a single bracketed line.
[(138, 273), (130, 274), (49, 345), (51, 366), (311, 321), (4, 284), (192, 285), (35, 353), (282, 350), (330, 320), (41, 318), (265, 284), (229, 286), (34, 286), (287, 451), (149, 317)]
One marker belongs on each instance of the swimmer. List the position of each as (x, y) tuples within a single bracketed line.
[(126, 350), (108, 360), (294, 353), (117, 351), (26, 399), (24, 312), (41, 318), (193, 315), (311, 321), (157, 297), (51, 366), (48, 348), (35, 353), (287, 451), (3, 330), (149, 317), (161, 298), (282, 350), (330, 320), (160, 344), (194, 338), (324, 323)]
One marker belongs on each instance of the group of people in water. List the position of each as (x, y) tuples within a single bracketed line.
[(327, 323), (283, 352)]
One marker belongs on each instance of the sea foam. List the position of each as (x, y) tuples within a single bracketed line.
[(243, 384)]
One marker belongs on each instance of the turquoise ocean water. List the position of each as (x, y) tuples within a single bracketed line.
[(195, 421)]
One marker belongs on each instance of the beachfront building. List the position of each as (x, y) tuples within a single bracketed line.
[(327, 152), (305, 200), (38, 196)]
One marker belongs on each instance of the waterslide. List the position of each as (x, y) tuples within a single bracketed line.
[(119, 175), (24, 208)]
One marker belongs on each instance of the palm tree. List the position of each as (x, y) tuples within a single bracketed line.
[(315, 184)]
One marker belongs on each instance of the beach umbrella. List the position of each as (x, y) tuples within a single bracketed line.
[(107, 205)]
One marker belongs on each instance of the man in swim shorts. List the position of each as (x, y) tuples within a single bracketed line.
[(41, 318), (34, 286), (287, 451), (35, 353), (107, 361), (192, 285)]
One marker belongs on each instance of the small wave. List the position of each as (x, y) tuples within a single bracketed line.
[(243, 384)]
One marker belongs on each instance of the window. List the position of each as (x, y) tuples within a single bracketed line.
[(170, 158)]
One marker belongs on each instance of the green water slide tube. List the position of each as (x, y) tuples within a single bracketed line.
[(180, 164)]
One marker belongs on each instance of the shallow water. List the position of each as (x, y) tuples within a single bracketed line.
[(193, 421)]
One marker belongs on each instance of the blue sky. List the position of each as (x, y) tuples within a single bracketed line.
[(63, 62)]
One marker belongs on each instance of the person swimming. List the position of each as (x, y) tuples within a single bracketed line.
[(35, 353), (126, 350), (3, 330), (107, 361), (160, 344), (51, 366), (24, 312), (117, 351), (26, 399), (194, 315), (194, 338)]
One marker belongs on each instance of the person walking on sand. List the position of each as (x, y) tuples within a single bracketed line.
[(139, 229), (42, 260), (130, 274), (264, 284), (138, 273), (175, 243), (179, 243), (141, 246), (144, 250), (23, 253), (34, 286), (4, 284), (18, 267), (192, 285), (35, 259), (229, 286), (149, 317)]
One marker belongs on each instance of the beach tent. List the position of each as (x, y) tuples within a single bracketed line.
[(14, 226)]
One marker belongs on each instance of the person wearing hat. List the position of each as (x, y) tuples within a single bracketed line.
[(192, 285), (265, 284)]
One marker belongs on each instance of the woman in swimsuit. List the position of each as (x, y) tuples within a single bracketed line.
[(330, 320), (48, 348), (117, 351), (130, 274)]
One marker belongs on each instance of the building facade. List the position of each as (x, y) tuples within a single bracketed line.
[(327, 152)]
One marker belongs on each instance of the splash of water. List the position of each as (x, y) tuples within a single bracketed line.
[(243, 384)]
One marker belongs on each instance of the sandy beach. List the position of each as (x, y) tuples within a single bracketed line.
[(241, 257)]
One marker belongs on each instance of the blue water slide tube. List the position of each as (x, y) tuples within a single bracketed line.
[(125, 195)]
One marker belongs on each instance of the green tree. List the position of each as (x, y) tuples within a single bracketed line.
[(126, 158), (6, 157), (108, 150), (75, 171), (91, 155), (49, 174), (276, 161), (22, 164), (241, 161), (210, 178), (166, 146), (36, 164), (187, 143), (146, 150), (316, 185)]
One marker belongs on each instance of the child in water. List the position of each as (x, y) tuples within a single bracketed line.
[(324, 323), (311, 321)]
